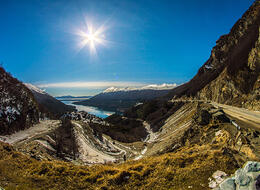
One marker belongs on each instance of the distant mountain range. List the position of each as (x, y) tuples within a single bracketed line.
[(163, 86), (71, 97), (120, 99), (183, 140)]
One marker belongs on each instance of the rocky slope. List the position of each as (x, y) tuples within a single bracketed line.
[(232, 73), (48, 104), (197, 140), (18, 108), (247, 177), (180, 144)]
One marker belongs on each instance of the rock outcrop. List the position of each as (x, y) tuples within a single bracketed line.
[(246, 178), (232, 73)]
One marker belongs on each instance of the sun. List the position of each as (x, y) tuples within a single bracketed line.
[(91, 37)]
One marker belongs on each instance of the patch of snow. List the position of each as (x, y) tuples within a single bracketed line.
[(34, 88), (151, 137), (142, 153), (208, 67), (163, 86), (139, 103), (26, 134), (11, 111)]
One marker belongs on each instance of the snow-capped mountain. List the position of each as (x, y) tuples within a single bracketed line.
[(163, 86), (120, 99), (47, 103), (34, 88)]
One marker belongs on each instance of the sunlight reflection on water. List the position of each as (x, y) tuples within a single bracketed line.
[(92, 110)]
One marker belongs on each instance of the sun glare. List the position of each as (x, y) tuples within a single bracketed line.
[(91, 37)]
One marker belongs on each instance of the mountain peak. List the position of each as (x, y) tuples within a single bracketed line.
[(163, 86), (231, 75), (34, 88)]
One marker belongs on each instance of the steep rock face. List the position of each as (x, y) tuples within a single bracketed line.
[(18, 108), (232, 73)]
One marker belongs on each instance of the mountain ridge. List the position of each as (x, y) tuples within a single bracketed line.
[(48, 104), (18, 108), (120, 101), (233, 69), (163, 86), (179, 142)]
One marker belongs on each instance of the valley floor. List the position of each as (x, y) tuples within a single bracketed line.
[(193, 142)]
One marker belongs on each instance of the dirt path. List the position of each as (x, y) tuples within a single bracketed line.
[(89, 153), (248, 116), (251, 117), (40, 128), (122, 151)]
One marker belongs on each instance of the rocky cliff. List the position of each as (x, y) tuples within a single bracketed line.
[(232, 73), (18, 108)]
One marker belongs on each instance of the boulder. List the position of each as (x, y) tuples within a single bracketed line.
[(204, 117), (246, 178)]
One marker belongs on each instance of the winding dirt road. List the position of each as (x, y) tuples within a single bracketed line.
[(89, 153), (38, 129), (250, 117)]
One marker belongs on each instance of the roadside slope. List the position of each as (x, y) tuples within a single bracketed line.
[(232, 73)]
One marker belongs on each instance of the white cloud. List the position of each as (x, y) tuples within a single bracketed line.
[(91, 85)]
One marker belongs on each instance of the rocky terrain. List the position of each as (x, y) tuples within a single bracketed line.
[(244, 178), (18, 108), (49, 104), (189, 140), (198, 139), (232, 73)]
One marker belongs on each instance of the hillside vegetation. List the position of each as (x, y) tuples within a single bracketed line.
[(176, 142), (169, 171), (209, 143)]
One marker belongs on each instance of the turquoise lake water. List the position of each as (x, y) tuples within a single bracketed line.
[(92, 110)]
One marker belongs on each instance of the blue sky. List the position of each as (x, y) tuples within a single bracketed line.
[(150, 41)]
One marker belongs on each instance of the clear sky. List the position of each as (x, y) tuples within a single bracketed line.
[(146, 41)]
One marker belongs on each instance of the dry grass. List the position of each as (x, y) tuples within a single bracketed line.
[(191, 166)]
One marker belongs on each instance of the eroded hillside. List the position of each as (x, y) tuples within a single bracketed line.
[(174, 143), (197, 140)]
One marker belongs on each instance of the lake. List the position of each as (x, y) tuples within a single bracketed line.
[(92, 110)]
